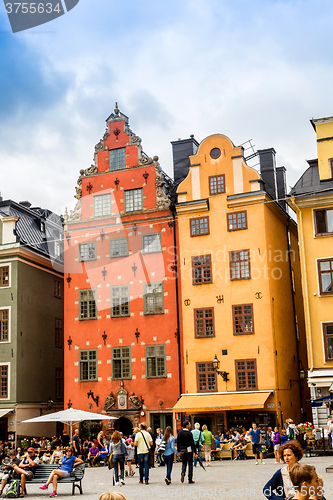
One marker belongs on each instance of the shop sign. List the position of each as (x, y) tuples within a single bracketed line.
[(270, 405)]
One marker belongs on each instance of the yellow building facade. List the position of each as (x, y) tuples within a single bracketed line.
[(312, 199), (242, 333)]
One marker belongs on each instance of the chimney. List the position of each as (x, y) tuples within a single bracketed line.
[(181, 150), (281, 186), (268, 170), (26, 204)]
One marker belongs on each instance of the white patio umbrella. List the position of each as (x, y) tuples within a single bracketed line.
[(70, 417)]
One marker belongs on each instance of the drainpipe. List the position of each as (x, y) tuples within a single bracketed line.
[(295, 324), (177, 300)]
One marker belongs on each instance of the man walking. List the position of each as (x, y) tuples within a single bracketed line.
[(143, 442), (256, 443), (186, 449)]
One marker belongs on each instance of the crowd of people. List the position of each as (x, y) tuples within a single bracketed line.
[(145, 450)]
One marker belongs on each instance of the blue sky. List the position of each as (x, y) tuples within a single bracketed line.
[(256, 69)]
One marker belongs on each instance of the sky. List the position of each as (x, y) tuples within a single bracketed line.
[(258, 69)]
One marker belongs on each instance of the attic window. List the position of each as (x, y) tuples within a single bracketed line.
[(42, 227), (215, 153)]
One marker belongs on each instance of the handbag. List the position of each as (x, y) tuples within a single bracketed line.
[(123, 449), (110, 463)]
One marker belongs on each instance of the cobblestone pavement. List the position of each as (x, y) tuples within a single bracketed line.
[(226, 480)]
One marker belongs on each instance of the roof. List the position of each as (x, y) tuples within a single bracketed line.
[(309, 183), (28, 227)]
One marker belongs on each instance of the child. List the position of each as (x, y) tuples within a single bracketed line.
[(305, 481), (130, 456), (276, 444), (283, 437), (112, 495)]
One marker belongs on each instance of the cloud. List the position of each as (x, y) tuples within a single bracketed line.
[(249, 70)]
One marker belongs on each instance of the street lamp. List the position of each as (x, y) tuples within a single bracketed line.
[(216, 366)]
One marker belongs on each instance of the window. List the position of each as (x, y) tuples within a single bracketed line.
[(117, 159), (133, 200), (206, 377), (201, 270), (199, 226), (4, 315), (246, 374), (216, 184), (331, 167), (215, 153), (118, 247), (4, 381), (328, 341), (88, 365), (57, 248), (243, 319), (121, 362), (324, 221), (57, 289), (240, 265), (59, 382), (155, 361), (87, 251), (4, 276), (120, 301), (42, 227), (153, 298), (204, 322), (151, 243), (237, 220), (325, 271), (87, 304), (58, 332), (102, 205)]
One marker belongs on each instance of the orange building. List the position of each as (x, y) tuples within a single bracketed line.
[(243, 329), (121, 340)]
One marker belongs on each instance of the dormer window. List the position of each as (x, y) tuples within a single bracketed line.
[(42, 227), (117, 159)]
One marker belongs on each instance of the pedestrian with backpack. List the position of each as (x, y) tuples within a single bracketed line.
[(8, 469)]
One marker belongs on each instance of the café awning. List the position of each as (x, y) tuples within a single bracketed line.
[(4, 412), (198, 403)]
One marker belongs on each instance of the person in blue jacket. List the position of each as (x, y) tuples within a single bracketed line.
[(169, 452), (280, 485)]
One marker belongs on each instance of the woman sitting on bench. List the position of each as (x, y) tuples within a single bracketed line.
[(66, 467)]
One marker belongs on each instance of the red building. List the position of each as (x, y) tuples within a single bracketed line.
[(121, 341)]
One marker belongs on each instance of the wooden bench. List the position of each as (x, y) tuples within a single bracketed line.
[(44, 470)]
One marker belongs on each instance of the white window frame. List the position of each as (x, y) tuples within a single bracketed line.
[(150, 247), (6, 364), (9, 265), (4, 308), (126, 201), (102, 196)]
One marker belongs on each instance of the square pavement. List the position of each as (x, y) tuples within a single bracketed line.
[(223, 480)]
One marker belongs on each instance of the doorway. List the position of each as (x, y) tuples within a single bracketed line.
[(124, 425), (161, 420), (3, 429)]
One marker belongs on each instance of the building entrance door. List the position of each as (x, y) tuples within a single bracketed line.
[(161, 420), (3, 429), (124, 425)]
